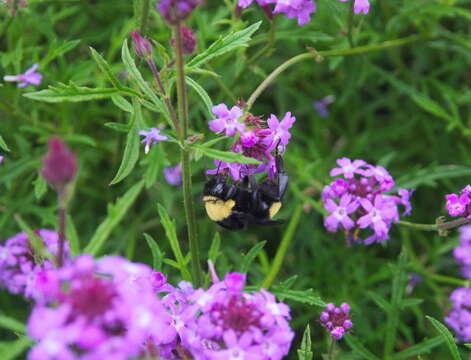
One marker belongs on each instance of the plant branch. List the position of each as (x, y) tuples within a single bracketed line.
[(436, 227)]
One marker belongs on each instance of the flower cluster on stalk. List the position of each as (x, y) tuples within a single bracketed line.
[(359, 199), (462, 253), (459, 318), (175, 11), (254, 138), (459, 204), (336, 320), (21, 266)]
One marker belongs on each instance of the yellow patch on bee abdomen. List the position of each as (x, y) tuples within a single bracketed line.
[(274, 208), (218, 209)]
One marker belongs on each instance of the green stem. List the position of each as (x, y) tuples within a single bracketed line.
[(331, 349), (441, 278), (319, 55), (197, 275), (435, 227), (61, 212), (266, 50), (350, 24), (283, 248), (144, 16)]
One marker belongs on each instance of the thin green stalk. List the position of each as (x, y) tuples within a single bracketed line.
[(62, 215), (319, 55), (330, 355), (436, 227), (266, 50), (197, 275), (350, 25), (283, 248), (144, 16)]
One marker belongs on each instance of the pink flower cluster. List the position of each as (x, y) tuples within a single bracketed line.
[(459, 318), (20, 266), (96, 310), (255, 138), (462, 253), (459, 204), (336, 320), (225, 322), (292, 9), (358, 200)]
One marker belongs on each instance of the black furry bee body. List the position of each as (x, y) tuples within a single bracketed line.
[(237, 206)]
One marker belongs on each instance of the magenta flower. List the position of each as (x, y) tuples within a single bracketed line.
[(1, 159), (459, 318), (188, 39), (98, 310), (462, 253), (59, 164), (336, 320), (151, 137), (176, 10), (379, 216), (234, 169), (360, 6), (280, 135), (30, 77), (339, 213), (173, 175), (227, 120), (300, 9), (19, 269), (348, 168), (458, 204), (142, 46)]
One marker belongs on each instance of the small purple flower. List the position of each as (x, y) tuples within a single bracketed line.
[(360, 6), (151, 137), (30, 77), (336, 320), (59, 164), (188, 39), (414, 280), (234, 169), (142, 46), (322, 105), (378, 216), (176, 10), (348, 168), (339, 213), (1, 159), (280, 135), (227, 120), (462, 253), (459, 318), (405, 200), (458, 204), (300, 9), (19, 269), (173, 175)]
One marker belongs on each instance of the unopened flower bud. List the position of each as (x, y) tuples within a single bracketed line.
[(59, 164), (142, 46), (188, 40), (176, 10)]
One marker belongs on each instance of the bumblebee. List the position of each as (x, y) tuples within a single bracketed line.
[(237, 206)]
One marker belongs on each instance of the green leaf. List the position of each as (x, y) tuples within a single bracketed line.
[(308, 296), (105, 68), (358, 348), (171, 233), (225, 155), (411, 302), (122, 103), (116, 213), (421, 348), (71, 93), (380, 301), (155, 160), (157, 255), (250, 256), (305, 351), (429, 175), (37, 243), (213, 252), (202, 93), (72, 237), (40, 187), (224, 45), (118, 126), (131, 150), (10, 350), (3, 144), (56, 51), (446, 334), (12, 324)]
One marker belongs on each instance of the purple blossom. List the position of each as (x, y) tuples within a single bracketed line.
[(59, 164), (366, 185), (462, 253), (280, 135), (151, 137), (30, 77), (336, 320), (339, 213), (142, 46), (300, 9), (188, 39), (1, 159), (98, 310), (459, 204), (227, 120), (322, 105), (234, 169), (19, 266), (360, 6), (459, 318), (173, 175), (176, 10)]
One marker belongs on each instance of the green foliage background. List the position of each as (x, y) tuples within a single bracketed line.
[(406, 108)]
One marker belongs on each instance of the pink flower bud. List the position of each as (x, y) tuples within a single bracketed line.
[(142, 46), (59, 164), (188, 40)]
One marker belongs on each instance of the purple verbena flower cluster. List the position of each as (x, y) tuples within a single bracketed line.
[(255, 138), (95, 310), (462, 253), (459, 204), (336, 320), (20, 266), (225, 322), (292, 9), (358, 200), (459, 318), (175, 11)]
